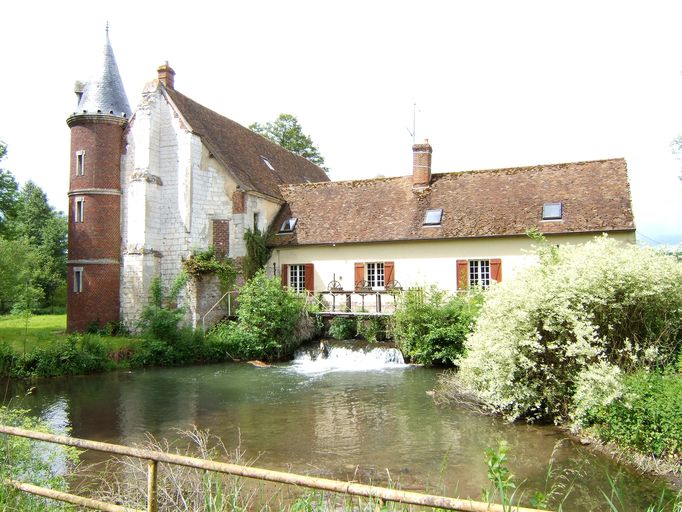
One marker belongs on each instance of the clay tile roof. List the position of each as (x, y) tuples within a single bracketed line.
[(243, 152), (595, 197)]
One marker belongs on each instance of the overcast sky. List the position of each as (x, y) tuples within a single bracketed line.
[(497, 84)]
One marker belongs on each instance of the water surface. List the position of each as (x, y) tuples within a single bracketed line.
[(339, 418)]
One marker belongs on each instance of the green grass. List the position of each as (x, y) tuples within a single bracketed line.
[(45, 329)]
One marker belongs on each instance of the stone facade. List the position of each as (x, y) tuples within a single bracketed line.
[(173, 193)]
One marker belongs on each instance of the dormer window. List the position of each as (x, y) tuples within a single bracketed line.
[(267, 162), (288, 225), (552, 211), (433, 217)]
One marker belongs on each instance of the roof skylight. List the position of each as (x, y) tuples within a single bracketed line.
[(267, 162), (288, 225), (552, 211), (433, 217)]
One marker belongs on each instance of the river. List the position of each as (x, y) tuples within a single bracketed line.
[(348, 416)]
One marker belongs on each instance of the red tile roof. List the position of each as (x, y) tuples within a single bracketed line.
[(241, 151), (501, 202)]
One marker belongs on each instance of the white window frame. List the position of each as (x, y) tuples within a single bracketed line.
[(433, 217), (375, 274), (479, 274), (296, 278), (80, 163), (79, 209), (288, 225), (77, 279), (553, 211)]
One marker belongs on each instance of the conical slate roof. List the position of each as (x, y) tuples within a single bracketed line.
[(104, 92)]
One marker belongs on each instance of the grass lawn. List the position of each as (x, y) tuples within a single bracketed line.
[(45, 329)]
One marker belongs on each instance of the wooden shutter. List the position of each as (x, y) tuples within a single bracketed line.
[(496, 270), (284, 272), (359, 273), (462, 274), (389, 272), (309, 277)]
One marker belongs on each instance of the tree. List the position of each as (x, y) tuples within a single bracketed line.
[(8, 194), (46, 231), (288, 133)]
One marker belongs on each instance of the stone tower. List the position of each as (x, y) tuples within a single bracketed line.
[(95, 197)]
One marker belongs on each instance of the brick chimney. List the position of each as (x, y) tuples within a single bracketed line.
[(421, 164), (166, 75)]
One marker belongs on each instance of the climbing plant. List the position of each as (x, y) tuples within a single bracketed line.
[(257, 252), (201, 263)]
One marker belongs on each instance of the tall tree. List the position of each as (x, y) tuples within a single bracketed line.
[(8, 195), (288, 133), (45, 230)]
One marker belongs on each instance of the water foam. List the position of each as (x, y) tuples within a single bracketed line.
[(347, 359)]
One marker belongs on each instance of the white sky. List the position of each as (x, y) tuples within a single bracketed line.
[(496, 83)]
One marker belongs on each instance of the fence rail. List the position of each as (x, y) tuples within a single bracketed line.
[(154, 457)]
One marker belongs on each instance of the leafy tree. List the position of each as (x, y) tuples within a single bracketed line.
[(46, 230), (288, 133), (17, 261), (8, 194)]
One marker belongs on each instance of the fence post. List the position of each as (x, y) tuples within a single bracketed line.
[(152, 492)]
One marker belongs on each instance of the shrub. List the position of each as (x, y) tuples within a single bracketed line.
[(266, 321), (430, 327), (647, 417), (39, 463), (372, 329), (600, 302), (343, 328), (78, 354), (160, 318)]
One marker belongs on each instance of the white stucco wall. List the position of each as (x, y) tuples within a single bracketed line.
[(418, 263)]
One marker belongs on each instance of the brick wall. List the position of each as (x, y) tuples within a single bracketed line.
[(94, 244), (99, 235), (221, 237), (98, 302)]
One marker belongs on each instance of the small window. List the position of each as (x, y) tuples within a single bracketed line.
[(288, 225), (80, 163), (297, 278), (433, 217), (256, 218), (77, 279), (552, 211), (78, 213), (375, 275), (267, 162)]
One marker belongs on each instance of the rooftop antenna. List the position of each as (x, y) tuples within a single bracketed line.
[(413, 132)]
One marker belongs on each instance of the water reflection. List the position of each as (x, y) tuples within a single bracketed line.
[(336, 424)]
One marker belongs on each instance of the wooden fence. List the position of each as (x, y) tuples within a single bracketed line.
[(154, 457)]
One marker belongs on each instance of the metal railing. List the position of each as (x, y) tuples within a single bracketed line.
[(154, 457)]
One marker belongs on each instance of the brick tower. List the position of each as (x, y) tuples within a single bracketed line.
[(95, 197)]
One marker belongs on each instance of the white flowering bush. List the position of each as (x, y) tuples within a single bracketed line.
[(603, 305)]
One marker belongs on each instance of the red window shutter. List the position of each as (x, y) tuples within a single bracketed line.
[(496, 269), (359, 273), (389, 272), (284, 272), (309, 276), (462, 274)]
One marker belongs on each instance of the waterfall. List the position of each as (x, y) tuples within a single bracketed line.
[(346, 357)]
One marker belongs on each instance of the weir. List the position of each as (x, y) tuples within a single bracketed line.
[(347, 356)]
